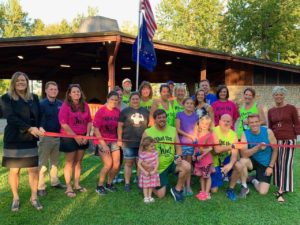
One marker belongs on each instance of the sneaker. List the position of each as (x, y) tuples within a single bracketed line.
[(110, 187), (115, 180), (151, 199), (127, 188), (244, 192), (101, 190), (202, 196), (177, 195), (230, 194), (120, 180), (188, 192), (250, 179), (146, 200), (135, 179)]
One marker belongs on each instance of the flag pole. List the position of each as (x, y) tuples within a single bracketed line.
[(138, 50)]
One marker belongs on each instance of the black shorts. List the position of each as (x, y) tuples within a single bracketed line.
[(70, 145), (260, 172)]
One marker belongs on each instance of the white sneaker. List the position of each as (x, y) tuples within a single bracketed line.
[(151, 199), (146, 200)]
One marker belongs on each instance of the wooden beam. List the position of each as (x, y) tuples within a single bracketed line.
[(203, 74), (112, 51)]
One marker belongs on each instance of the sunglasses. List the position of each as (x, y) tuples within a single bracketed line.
[(74, 85)]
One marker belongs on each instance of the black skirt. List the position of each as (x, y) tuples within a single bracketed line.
[(20, 158)]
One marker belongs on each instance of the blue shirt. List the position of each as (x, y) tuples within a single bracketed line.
[(263, 157), (49, 115), (210, 98)]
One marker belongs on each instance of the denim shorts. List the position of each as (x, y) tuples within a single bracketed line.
[(187, 150), (112, 147), (130, 153)]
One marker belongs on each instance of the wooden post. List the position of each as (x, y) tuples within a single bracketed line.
[(203, 69), (112, 51)]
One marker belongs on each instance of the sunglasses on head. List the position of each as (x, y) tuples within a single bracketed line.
[(74, 85)]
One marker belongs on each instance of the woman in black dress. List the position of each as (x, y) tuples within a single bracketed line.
[(22, 111)]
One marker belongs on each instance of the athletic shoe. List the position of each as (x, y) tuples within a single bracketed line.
[(115, 180), (151, 199), (110, 187), (177, 195), (230, 194), (188, 192), (101, 190), (244, 192), (127, 188), (135, 179), (202, 196), (250, 179), (146, 200)]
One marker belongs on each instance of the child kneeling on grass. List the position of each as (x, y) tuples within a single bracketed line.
[(148, 179), (203, 157)]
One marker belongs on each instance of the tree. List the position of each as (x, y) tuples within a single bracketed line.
[(14, 22), (128, 28), (190, 22), (267, 29)]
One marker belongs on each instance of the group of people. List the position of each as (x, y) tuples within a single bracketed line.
[(173, 134)]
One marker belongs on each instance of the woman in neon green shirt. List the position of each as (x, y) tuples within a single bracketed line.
[(164, 103), (146, 94), (180, 94), (249, 107)]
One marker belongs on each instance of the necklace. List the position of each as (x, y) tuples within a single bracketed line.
[(279, 122)]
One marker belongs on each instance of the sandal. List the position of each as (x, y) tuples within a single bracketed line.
[(15, 206), (36, 204), (280, 198), (81, 189), (70, 194)]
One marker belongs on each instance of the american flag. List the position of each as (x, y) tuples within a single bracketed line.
[(149, 17)]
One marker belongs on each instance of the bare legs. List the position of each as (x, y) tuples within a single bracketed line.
[(111, 166)]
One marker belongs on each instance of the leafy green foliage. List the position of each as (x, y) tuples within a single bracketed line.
[(14, 22), (190, 22), (267, 29)]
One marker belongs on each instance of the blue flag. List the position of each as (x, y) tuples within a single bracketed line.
[(147, 53)]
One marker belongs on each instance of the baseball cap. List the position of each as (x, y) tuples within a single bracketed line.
[(126, 80), (170, 82)]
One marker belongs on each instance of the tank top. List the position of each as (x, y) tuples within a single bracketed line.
[(166, 152), (170, 114), (262, 156), (225, 141), (202, 111), (244, 113), (177, 107), (147, 105)]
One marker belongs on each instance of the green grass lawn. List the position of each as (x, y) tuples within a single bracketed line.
[(128, 208)]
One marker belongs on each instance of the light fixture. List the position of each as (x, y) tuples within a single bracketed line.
[(65, 65), (168, 63), (20, 57), (126, 68), (177, 57), (54, 47), (95, 68)]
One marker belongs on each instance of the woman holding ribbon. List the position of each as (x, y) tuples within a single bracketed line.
[(75, 119), (22, 111), (284, 122), (105, 128)]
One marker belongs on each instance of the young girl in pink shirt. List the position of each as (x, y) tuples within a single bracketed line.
[(203, 157)]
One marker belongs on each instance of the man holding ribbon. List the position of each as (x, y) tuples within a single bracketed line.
[(259, 154)]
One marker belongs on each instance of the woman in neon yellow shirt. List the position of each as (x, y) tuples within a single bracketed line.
[(164, 103), (146, 94), (180, 94)]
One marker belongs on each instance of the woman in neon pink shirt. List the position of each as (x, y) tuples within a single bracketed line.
[(224, 106), (75, 118), (105, 128)]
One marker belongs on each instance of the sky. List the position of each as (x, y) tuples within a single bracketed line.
[(53, 11)]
